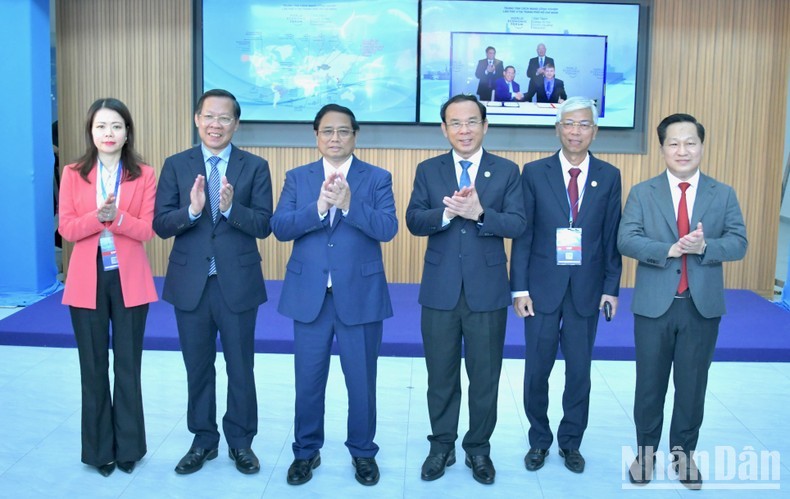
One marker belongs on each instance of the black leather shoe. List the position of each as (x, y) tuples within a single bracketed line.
[(246, 460), (641, 472), (535, 458), (194, 459), (367, 471), (301, 470), (106, 469), (573, 460), (482, 468), (687, 471), (126, 466), (434, 465)]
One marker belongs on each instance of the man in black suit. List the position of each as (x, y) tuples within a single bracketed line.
[(488, 70), (572, 201), (217, 201), (466, 202), (537, 64), (548, 88)]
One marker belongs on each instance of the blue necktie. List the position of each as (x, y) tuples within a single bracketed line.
[(213, 195), (549, 88), (465, 180)]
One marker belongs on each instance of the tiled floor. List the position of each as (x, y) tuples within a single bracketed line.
[(40, 433)]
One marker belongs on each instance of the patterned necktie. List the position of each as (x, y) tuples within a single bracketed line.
[(683, 229), (213, 194), (573, 191), (465, 180), (213, 187), (549, 88)]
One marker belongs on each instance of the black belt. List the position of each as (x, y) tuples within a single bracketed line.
[(685, 294), (329, 290)]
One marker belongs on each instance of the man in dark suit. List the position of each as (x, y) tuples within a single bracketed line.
[(216, 200), (488, 70), (466, 201), (679, 227), (548, 88), (564, 268), (337, 211), (537, 64), (505, 89)]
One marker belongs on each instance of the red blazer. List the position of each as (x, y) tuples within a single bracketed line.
[(132, 226)]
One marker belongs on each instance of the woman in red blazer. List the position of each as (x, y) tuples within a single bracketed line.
[(106, 210)]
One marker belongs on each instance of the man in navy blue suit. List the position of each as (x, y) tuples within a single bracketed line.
[(217, 201), (337, 211), (505, 89), (466, 202), (547, 88), (564, 268)]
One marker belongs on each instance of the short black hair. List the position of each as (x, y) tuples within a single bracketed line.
[(335, 108), (508, 67), (218, 92), (490, 48), (661, 129), (462, 98)]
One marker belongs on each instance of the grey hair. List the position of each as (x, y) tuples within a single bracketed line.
[(576, 103)]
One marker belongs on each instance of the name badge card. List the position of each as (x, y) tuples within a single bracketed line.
[(109, 257), (569, 246)]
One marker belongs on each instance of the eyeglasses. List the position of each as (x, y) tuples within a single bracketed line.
[(207, 119), (342, 133), (471, 124), (581, 125)]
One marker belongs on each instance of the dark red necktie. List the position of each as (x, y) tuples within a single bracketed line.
[(683, 229), (573, 191)]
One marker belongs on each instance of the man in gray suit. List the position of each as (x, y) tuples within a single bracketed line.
[(679, 294)]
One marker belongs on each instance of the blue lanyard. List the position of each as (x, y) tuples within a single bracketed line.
[(117, 180)]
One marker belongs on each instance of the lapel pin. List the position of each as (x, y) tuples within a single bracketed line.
[(487, 174), (594, 183)]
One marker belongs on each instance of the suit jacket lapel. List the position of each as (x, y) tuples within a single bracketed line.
[(663, 201), (447, 173), (482, 181), (588, 193), (198, 167), (356, 174), (235, 166), (556, 182), (706, 191)]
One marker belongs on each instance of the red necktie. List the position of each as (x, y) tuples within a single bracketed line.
[(683, 229), (573, 191)]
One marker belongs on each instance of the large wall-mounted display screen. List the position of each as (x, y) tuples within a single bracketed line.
[(397, 61), (593, 48), (283, 60)]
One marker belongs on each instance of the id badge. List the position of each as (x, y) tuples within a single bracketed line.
[(109, 257), (569, 246)]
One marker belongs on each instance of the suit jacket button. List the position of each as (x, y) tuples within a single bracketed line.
[(331, 245), (678, 271), (463, 231)]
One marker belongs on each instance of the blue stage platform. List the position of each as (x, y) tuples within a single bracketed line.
[(754, 329)]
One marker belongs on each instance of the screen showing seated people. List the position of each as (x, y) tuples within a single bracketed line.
[(284, 60), (522, 59)]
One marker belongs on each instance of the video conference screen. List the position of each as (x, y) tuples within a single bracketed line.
[(593, 48), (285, 59)]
